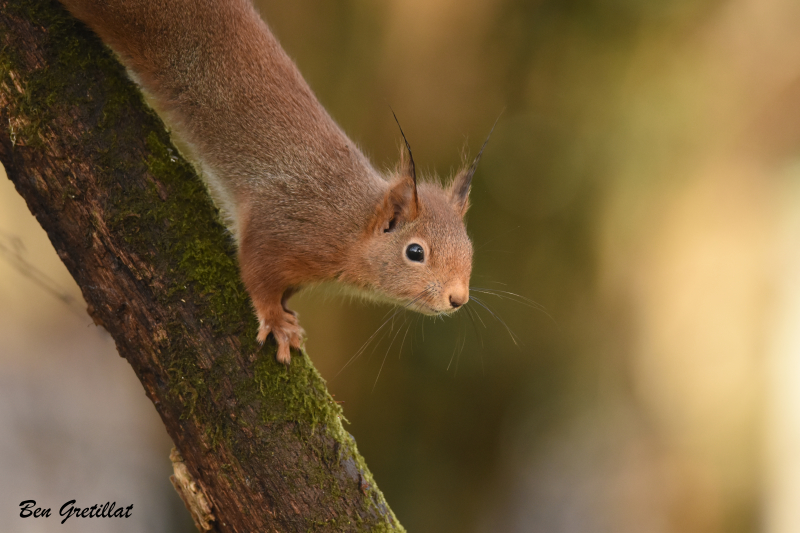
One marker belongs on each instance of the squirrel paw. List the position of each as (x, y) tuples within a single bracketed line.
[(287, 332)]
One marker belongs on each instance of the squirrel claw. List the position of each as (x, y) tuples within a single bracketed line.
[(263, 331), (287, 333)]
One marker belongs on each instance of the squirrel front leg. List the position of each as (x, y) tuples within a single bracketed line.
[(269, 290)]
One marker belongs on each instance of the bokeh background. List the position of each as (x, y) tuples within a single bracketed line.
[(642, 186)]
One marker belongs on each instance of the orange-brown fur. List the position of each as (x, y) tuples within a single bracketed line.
[(303, 202)]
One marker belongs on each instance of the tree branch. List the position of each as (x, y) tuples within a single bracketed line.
[(137, 231)]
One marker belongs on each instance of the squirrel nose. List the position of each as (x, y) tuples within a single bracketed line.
[(459, 297)]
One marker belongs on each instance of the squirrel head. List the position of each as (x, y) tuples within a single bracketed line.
[(416, 251)]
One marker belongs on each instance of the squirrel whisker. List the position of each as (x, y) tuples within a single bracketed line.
[(474, 325), (510, 332), (517, 298), (387, 353), (398, 310), (400, 352)]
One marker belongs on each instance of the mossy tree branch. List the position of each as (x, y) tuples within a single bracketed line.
[(137, 231)]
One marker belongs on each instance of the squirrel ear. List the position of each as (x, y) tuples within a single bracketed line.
[(399, 204), (459, 190)]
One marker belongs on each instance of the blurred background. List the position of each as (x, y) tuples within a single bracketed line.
[(642, 187)]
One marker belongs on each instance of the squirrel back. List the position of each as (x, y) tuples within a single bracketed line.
[(304, 204)]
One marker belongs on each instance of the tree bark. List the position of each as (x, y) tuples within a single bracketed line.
[(138, 232)]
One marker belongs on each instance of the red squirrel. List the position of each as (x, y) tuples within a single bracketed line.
[(302, 201)]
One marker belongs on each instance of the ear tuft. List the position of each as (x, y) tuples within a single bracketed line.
[(407, 167), (459, 189)]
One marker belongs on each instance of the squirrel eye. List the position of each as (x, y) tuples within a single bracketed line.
[(415, 252)]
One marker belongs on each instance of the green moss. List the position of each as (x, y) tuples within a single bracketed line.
[(50, 87), (311, 403)]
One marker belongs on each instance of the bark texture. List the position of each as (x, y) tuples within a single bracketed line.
[(138, 232)]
